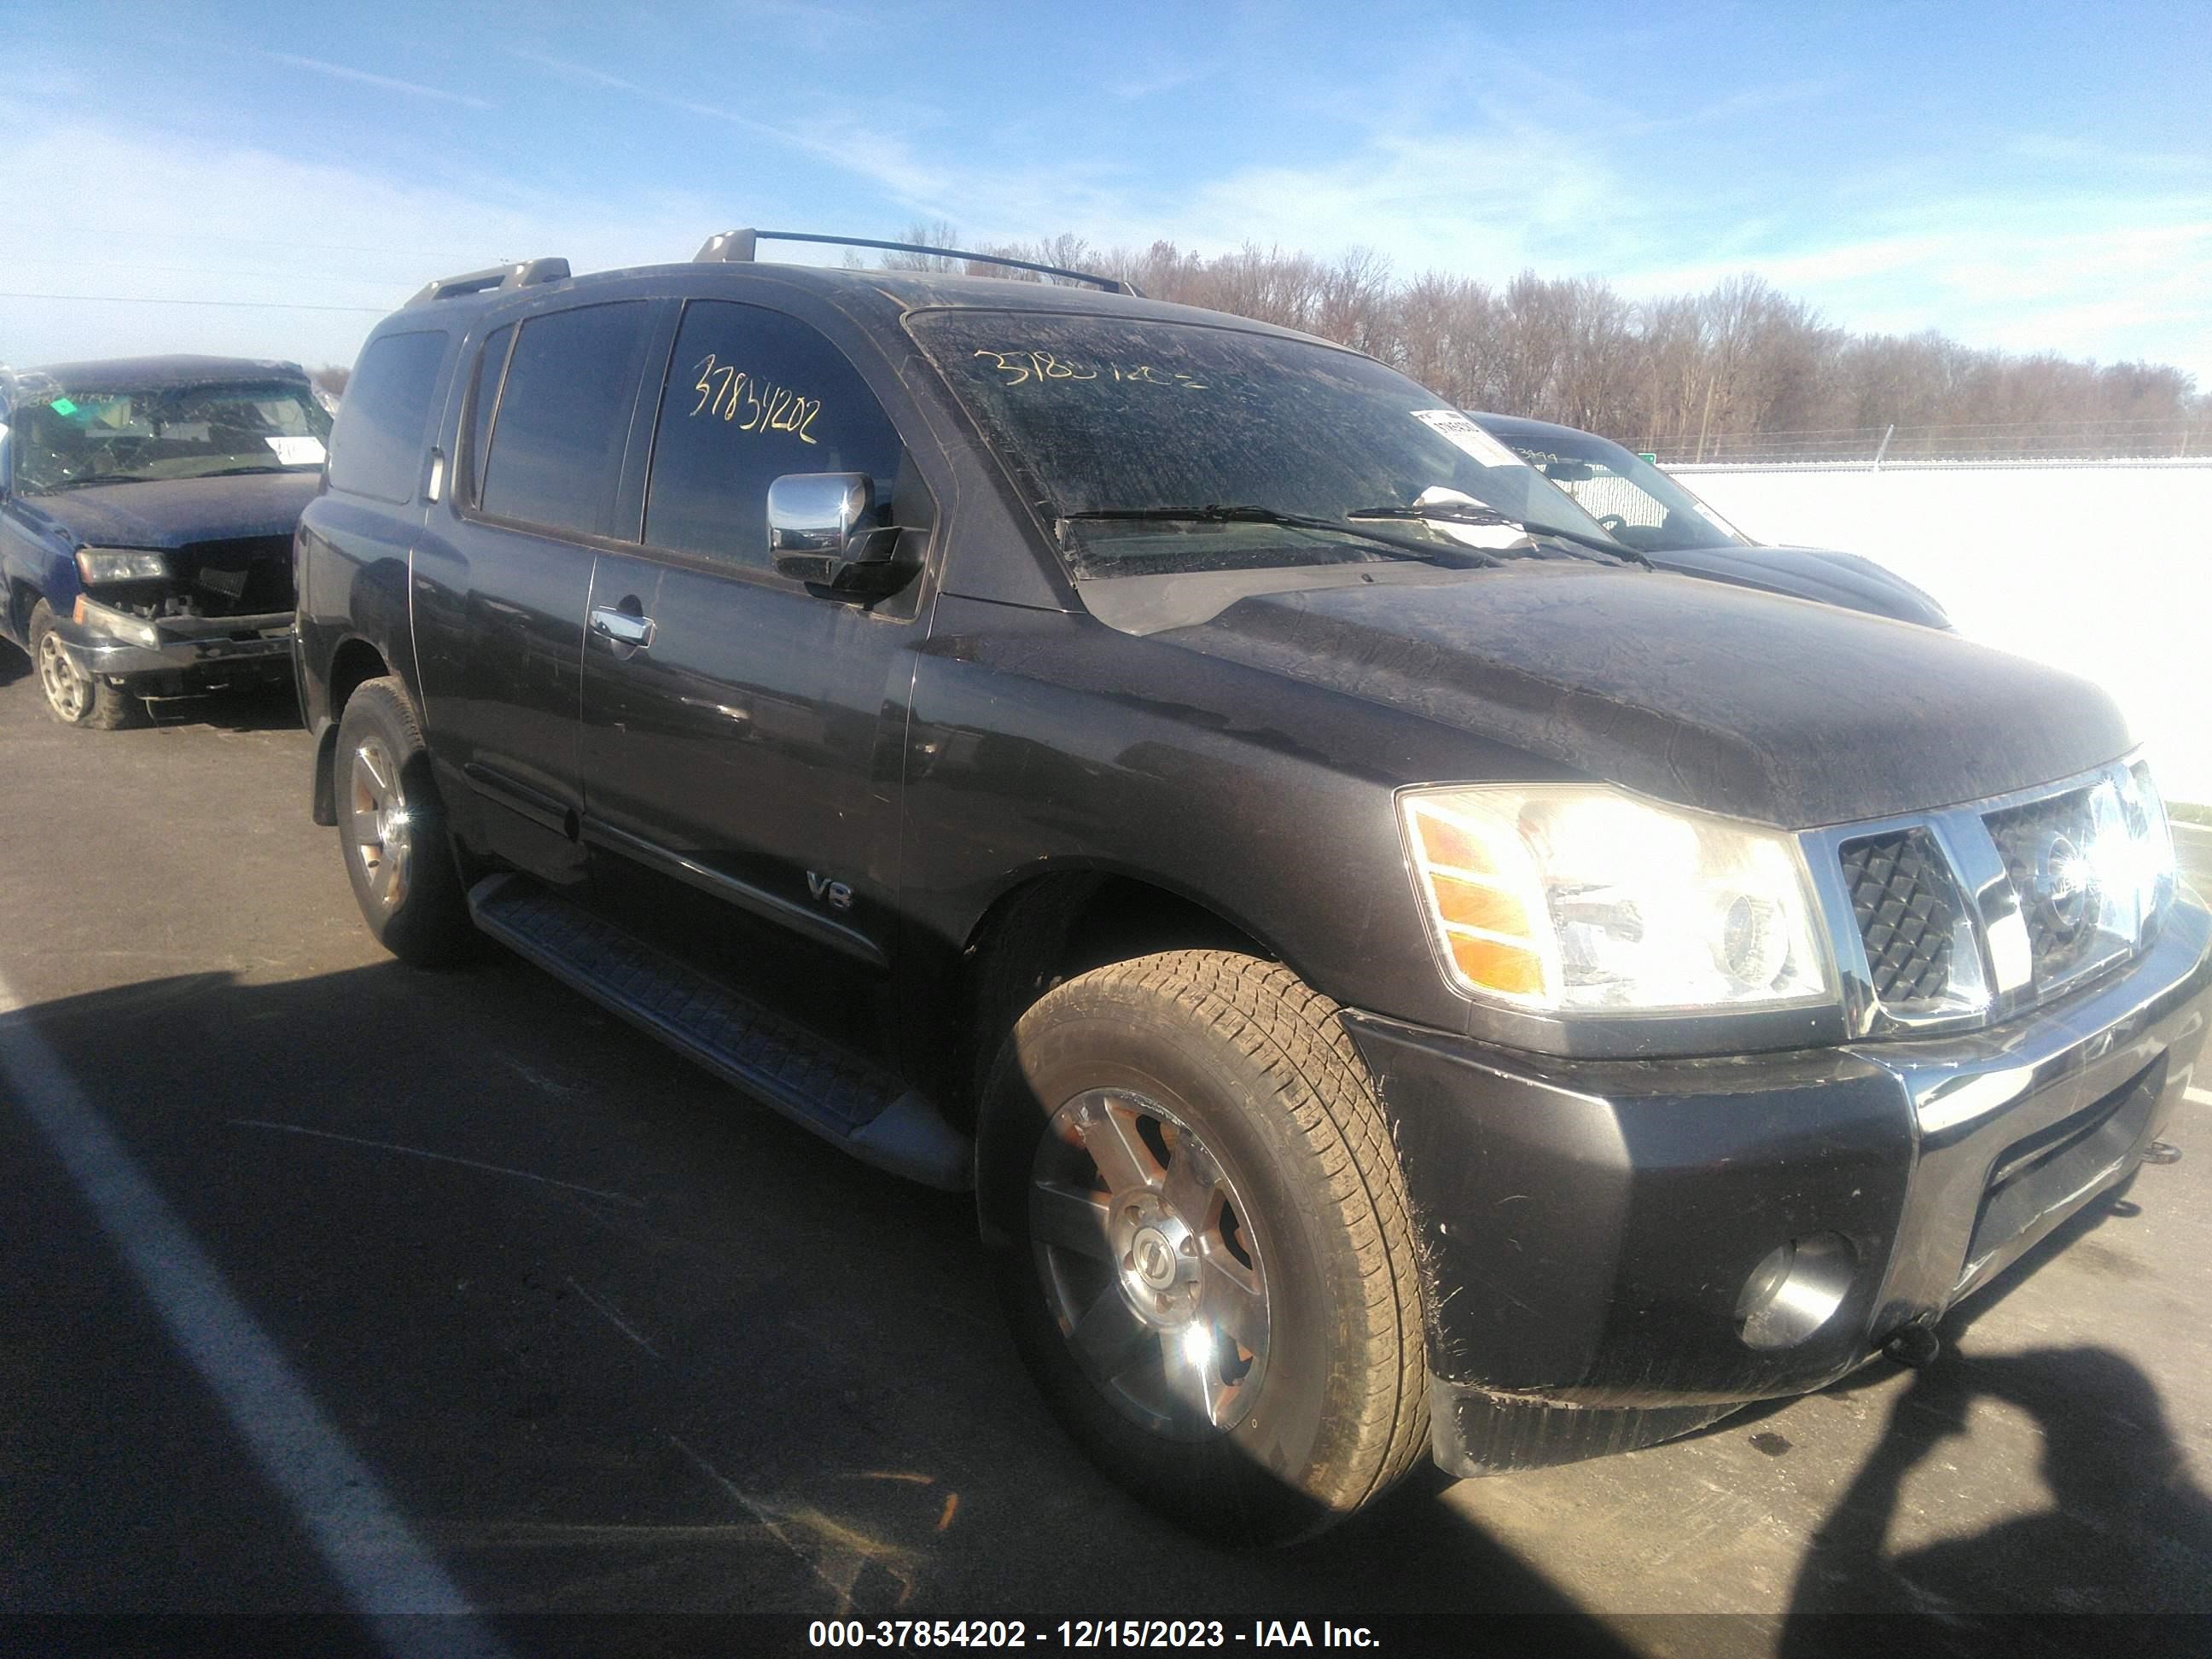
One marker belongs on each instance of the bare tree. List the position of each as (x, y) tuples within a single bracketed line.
[(937, 234), (1695, 373)]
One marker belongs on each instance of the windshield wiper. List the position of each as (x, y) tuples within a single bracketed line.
[(240, 471), (1458, 513), (1458, 558)]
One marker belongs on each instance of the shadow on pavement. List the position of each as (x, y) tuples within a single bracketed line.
[(244, 708), (613, 1340), (2127, 1531)]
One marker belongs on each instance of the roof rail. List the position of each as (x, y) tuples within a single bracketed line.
[(738, 246), (527, 274)]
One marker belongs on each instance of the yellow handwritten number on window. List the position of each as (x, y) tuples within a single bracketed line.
[(723, 389)]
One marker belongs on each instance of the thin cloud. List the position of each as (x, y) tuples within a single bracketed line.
[(817, 26), (883, 160), (218, 195), (2111, 279), (384, 82), (569, 71), (2085, 153), (1752, 100), (1152, 85)]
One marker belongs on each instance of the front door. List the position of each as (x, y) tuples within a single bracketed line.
[(742, 737)]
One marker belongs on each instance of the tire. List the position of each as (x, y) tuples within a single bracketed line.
[(392, 831), (72, 697), (1194, 1134)]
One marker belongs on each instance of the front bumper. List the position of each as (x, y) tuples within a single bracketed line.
[(175, 653), (1589, 1227)]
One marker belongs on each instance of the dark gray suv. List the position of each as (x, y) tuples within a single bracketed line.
[(1401, 975)]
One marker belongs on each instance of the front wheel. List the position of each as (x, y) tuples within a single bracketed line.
[(1212, 1276), (73, 697), (393, 831)]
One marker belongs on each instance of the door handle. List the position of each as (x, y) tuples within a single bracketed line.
[(622, 626)]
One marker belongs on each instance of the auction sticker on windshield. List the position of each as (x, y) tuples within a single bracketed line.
[(298, 450), (1463, 434)]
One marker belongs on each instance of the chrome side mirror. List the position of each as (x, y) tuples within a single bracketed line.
[(817, 534), (815, 514)]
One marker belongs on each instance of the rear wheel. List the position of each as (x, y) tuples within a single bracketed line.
[(73, 697), (1212, 1276), (391, 829)]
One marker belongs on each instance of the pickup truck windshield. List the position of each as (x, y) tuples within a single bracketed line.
[(1111, 416), (84, 437), (1636, 502)]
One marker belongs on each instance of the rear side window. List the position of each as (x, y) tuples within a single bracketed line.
[(752, 395), (484, 398), (376, 448), (556, 443)]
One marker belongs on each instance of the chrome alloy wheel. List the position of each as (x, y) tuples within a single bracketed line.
[(1151, 1265), (377, 823), (67, 687)]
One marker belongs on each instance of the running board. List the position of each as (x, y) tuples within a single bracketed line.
[(842, 1099)]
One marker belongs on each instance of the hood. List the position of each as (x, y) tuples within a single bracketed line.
[(170, 512), (1780, 710), (1810, 573)]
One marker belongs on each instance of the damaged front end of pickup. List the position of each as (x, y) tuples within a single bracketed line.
[(183, 621)]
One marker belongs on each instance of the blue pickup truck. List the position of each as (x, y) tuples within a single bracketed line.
[(146, 507)]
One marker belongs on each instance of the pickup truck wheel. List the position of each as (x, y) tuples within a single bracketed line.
[(393, 831), (1212, 1275), (73, 697)]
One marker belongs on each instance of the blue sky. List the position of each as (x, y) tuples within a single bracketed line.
[(2032, 175)]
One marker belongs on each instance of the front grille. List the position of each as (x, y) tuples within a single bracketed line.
[(1902, 895), (1938, 941), (241, 576), (2042, 845)]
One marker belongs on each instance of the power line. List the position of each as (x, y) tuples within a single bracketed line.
[(245, 305), (350, 279), (143, 234)]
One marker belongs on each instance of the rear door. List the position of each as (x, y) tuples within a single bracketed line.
[(354, 541), (749, 751), (502, 580)]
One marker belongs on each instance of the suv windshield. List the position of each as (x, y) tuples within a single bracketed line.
[(1632, 498), (1105, 416), (80, 437)]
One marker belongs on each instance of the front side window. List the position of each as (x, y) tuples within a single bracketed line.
[(752, 395), (215, 428), (555, 454), (1102, 415), (377, 449)]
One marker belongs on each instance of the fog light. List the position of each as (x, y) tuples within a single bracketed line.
[(1794, 1290)]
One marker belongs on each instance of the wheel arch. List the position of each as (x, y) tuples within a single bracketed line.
[(1053, 924), (23, 596), (353, 665)]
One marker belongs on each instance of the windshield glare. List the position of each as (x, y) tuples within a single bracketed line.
[(78, 438), (1640, 505), (1100, 414)]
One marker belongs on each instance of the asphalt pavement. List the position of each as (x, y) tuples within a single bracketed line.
[(330, 1284)]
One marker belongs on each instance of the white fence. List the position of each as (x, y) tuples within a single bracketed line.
[(2101, 568)]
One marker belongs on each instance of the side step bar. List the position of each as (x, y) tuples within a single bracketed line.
[(841, 1098)]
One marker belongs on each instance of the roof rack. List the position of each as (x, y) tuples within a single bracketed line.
[(738, 245), (527, 274)]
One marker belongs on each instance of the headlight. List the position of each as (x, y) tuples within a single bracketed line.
[(1583, 900), (2129, 867), (121, 564)]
